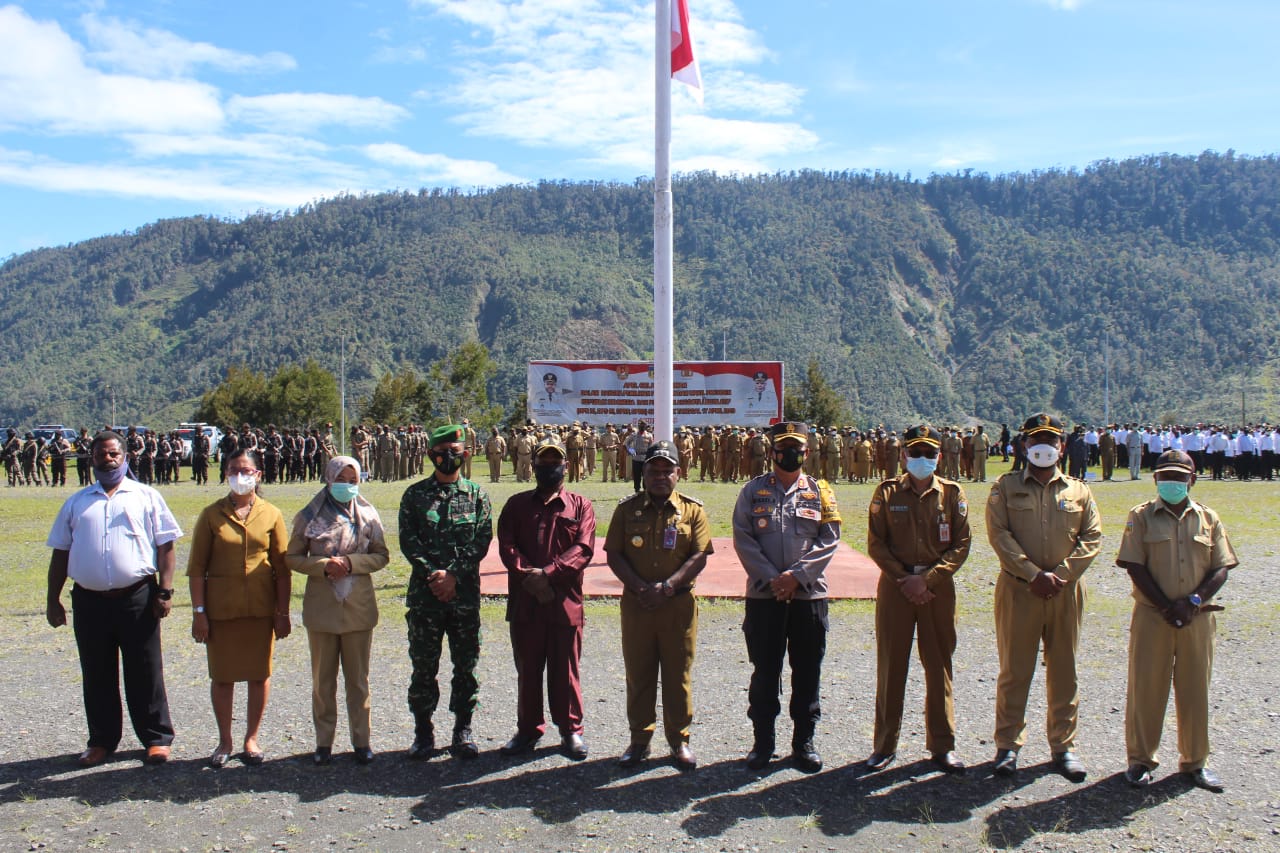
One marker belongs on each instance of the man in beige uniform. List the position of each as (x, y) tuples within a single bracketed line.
[(494, 450), (707, 447), (590, 441), (1177, 554), (1045, 530), (658, 542), (609, 444), (919, 536), (524, 456), (981, 446)]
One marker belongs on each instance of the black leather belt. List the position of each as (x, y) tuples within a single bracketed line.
[(116, 593)]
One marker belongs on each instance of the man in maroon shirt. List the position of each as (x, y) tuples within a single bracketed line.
[(546, 538)]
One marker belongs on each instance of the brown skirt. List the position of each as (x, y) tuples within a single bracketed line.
[(240, 649)]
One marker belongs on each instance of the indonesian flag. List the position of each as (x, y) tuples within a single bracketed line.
[(684, 65)]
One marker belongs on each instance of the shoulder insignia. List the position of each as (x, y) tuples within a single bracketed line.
[(764, 493), (963, 508), (630, 497), (830, 511), (691, 499), (876, 505)]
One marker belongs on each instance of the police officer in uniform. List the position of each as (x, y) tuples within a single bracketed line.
[(919, 536), (658, 542), (445, 530), (1177, 554), (786, 527), (609, 444), (1045, 530)]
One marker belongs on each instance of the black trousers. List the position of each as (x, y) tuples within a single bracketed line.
[(109, 630), (796, 630), (637, 472), (1216, 460)]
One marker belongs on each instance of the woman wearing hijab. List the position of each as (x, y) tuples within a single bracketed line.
[(338, 543), (240, 590)]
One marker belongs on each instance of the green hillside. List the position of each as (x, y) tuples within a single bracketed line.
[(963, 295)]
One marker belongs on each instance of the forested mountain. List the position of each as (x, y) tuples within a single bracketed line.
[(961, 295)]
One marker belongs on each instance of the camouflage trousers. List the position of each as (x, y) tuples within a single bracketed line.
[(427, 630)]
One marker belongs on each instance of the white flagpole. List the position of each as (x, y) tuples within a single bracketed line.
[(663, 238)]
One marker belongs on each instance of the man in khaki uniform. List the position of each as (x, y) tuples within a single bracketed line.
[(919, 536), (732, 446), (891, 452), (981, 447), (573, 445), (831, 448), (658, 542), (524, 456), (1177, 554), (684, 449), (757, 452), (707, 447), (952, 444), (590, 441), (494, 450), (609, 443), (1107, 452), (1045, 530)]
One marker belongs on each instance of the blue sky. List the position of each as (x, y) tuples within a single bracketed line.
[(115, 114)]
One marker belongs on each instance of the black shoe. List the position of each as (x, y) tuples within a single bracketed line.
[(464, 746), (323, 755), (759, 756), (1207, 779), (948, 762), (424, 746), (363, 754), (1006, 762), (1138, 775), (878, 761), (520, 743), (574, 747), (1069, 766), (682, 757), (634, 754), (805, 757)]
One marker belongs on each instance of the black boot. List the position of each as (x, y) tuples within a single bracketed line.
[(424, 742), (464, 746), (761, 749)]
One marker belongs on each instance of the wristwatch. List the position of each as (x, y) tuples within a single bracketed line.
[(1195, 599), (667, 589), (164, 594), (199, 608)]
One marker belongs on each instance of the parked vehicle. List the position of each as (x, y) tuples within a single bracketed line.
[(187, 432)]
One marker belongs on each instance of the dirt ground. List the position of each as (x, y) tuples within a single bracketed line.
[(546, 802)]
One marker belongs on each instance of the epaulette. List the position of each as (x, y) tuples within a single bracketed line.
[(691, 499), (630, 497)]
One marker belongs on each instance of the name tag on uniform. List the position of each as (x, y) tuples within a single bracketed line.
[(669, 538), (944, 532), (809, 513)]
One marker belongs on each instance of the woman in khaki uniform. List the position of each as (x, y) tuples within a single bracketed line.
[(338, 542), (240, 598)]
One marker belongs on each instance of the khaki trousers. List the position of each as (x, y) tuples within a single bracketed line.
[(351, 651), (980, 467), (933, 626), (659, 642), (1023, 621), (1160, 653), (609, 467), (495, 467)]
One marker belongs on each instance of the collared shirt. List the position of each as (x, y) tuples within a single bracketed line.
[(1178, 549), (639, 531), (557, 535), (780, 529), (930, 529), (1053, 527), (444, 526), (112, 540)]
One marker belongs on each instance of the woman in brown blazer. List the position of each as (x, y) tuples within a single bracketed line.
[(338, 543), (240, 597)]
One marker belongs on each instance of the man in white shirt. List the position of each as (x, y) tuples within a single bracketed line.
[(1245, 448), (115, 540), (1267, 452)]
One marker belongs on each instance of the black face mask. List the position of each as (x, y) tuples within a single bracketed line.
[(448, 461), (549, 476), (789, 458)]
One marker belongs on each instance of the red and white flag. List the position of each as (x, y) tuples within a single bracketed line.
[(684, 65)]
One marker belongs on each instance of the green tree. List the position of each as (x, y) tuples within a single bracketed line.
[(303, 396), (818, 402), (457, 387), (395, 399), (242, 397)]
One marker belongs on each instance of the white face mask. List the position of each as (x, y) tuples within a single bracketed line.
[(243, 484), (1043, 455)]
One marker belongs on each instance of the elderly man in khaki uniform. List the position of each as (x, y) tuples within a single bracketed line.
[(918, 535), (1045, 530), (1177, 554), (657, 544)]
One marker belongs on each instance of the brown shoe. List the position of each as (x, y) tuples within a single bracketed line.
[(157, 754), (682, 757), (93, 756)]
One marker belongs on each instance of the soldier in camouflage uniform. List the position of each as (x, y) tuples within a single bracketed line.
[(445, 530)]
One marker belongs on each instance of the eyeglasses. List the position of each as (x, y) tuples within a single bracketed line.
[(231, 472), (925, 452)]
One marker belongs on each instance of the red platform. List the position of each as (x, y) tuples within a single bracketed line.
[(849, 575)]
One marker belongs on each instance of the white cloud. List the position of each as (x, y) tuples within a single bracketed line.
[(262, 146), (45, 84), (1064, 5), (439, 169), (307, 111), (129, 47), (575, 75)]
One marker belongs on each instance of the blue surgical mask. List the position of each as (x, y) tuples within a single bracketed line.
[(1172, 492), (344, 492), (921, 467)]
